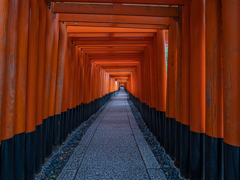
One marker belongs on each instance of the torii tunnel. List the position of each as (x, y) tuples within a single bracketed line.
[(61, 60)]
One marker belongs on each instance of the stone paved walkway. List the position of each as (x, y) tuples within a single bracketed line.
[(113, 148)]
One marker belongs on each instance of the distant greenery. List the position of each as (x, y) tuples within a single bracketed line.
[(166, 51)]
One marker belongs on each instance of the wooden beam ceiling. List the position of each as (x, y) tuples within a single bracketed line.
[(116, 9), (114, 36), (114, 19)]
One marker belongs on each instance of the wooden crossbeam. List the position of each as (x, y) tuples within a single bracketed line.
[(155, 2), (119, 71), (114, 49), (111, 39), (118, 67), (114, 52), (119, 25), (117, 64), (114, 19), (117, 35), (110, 59), (74, 29), (120, 55), (107, 43), (116, 9)]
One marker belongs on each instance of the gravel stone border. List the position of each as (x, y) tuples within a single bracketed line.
[(165, 162)]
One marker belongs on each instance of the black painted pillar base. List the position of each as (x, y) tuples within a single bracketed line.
[(144, 112), (162, 119), (84, 112), (19, 154), (38, 148), (81, 114), (148, 116), (30, 156), (214, 158), (141, 108), (152, 120), (49, 141), (64, 124), (171, 137), (94, 106), (74, 124), (157, 126), (197, 156), (184, 151), (177, 144), (232, 163), (71, 120), (7, 159), (57, 129), (61, 129), (44, 139), (166, 135), (91, 108), (68, 122)]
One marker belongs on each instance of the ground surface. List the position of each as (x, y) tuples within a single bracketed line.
[(113, 148)]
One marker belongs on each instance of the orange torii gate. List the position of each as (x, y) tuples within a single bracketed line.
[(60, 62)]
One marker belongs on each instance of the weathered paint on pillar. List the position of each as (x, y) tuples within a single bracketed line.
[(214, 92), (9, 103), (3, 42), (10, 76), (48, 60), (60, 66), (231, 86)]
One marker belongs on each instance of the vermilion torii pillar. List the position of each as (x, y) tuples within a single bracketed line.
[(9, 103), (178, 109), (21, 89), (185, 111), (32, 88), (3, 42), (214, 92), (53, 82), (197, 89), (231, 86), (40, 154), (48, 121), (171, 90), (162, 83), (60, 76)]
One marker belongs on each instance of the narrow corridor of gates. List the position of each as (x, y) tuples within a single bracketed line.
[(113, 148), (62, 60)]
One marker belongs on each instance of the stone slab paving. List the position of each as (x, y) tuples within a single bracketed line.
[(113, 148)]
